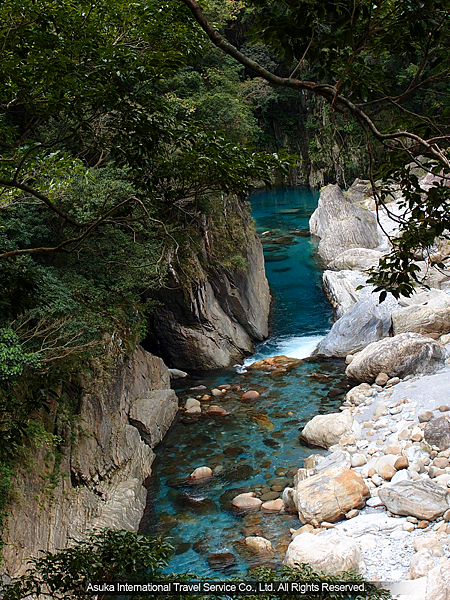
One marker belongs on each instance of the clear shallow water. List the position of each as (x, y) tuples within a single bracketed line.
[(256, 446), (300, 310)]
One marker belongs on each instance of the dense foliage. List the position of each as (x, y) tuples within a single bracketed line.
[(123, 556), (118, 149), (383, 66)]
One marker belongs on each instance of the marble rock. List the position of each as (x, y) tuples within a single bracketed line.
[(431, 316), (429, 542), (402, 475), (359, 393), (341, 289), (398, 356), (360, 190), (386, 471), (438, 582), (193, 406), (365, 322), (201, 473), (274, 363), (360, 259), (246, 502), (421, 564), (345, 288), (250, 395), (381, 379), (358, 460), (326, 430), (341, 224), (329, 495), (425, 416), (273, 506), (259, 545), (338, 459), (365, 524), (177, 374), (328, 552), (288, 500), (423, 499), (437, 433), (401, 463)]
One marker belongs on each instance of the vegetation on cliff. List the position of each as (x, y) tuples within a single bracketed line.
[(383, 66), (107, 179)]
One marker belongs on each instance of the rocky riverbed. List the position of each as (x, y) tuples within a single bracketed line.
[(396, 439), (379, 502), (373, 495)]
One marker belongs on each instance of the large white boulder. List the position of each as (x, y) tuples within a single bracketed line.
[(329, 495), (361, 259), (340, 224), (423, 499), (326, 430), (438, 582), (365, 322), (430, 313), (329, 553), (345, 288), (401, 355)]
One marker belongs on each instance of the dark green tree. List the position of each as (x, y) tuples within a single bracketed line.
[(104, 182), (385, 66)]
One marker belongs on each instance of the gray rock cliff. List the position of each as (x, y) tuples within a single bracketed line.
[(220, 321), (105, 457)]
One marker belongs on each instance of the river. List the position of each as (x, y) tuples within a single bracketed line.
[(256, 447)]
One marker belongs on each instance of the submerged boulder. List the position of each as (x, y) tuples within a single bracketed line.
[(259, 545), (329, 496), (201, 473), (329, 553), (340, 224), (218, 561), (401, 355), (246, 502), (274, 363)]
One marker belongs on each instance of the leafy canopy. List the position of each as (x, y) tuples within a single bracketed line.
[(385, 66)]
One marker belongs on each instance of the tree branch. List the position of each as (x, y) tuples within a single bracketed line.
[(329, 92), (45, 199)]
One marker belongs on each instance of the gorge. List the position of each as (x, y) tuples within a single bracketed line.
[(152, 377)]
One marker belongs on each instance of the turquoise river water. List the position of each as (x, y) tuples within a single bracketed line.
[(256, 446)]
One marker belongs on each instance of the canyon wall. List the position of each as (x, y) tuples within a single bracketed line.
[(218, 321), (96, 478)]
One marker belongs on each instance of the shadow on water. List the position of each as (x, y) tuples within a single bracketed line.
[(256, 446)]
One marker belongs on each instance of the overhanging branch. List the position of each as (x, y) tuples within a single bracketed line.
[(329, 92)]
